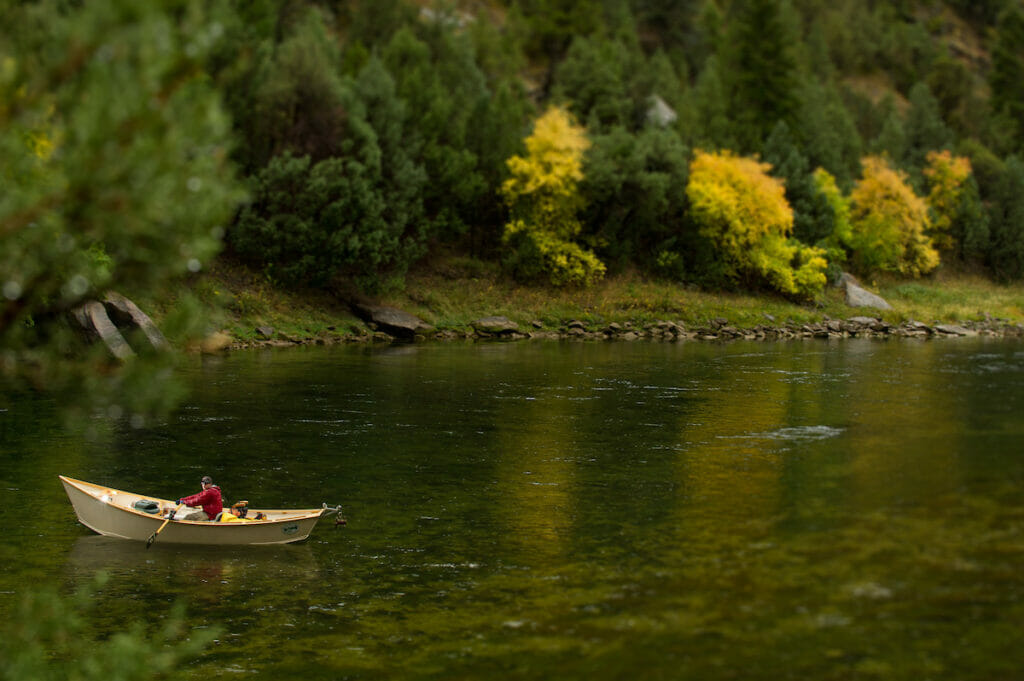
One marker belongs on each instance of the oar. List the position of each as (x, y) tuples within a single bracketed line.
[(152, 537)]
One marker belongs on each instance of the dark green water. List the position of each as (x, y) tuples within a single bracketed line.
[(807, 510)]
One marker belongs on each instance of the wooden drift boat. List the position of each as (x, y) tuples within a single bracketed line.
[(113, 513)]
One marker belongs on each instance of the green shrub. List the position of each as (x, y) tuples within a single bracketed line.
[(46, 638), (631, 188), (358, 215)]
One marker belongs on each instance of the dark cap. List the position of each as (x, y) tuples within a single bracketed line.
[(207, 480)]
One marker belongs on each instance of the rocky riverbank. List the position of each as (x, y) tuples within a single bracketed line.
[(718, 329)]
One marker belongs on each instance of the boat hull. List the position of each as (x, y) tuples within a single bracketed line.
[(109, 512)]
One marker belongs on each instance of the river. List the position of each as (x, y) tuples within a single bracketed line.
[(544, 510)]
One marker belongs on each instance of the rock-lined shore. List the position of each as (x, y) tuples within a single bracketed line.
[(719, 329)]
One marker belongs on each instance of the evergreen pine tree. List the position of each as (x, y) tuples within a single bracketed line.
[(374, 23), (714, 129), (594, 78), (971, 229), (761, 71), (495, 133), (441, 83), (1006, 78), (925, 129), (402, 178), (812, 219), (548, 27), (115, 176), (1006, 256), (892, 138), (296, 100), (708, 39), (827, 132), (631, 190)]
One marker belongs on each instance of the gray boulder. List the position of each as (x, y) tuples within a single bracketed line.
[(857, 296), (659, 113), (127, 315), (392, 321), (955, 330), (495, 325)]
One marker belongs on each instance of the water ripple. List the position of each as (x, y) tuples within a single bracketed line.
[(796, 433)]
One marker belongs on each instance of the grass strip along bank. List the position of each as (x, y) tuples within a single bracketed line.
[(451, 295)]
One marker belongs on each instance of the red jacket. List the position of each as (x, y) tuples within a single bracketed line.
[(209, 499)]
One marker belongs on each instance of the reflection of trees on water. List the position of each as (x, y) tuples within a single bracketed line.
[(35, 448), (750, 497), (908, 428), (536, 472)]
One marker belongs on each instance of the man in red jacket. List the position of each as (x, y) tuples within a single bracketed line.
[(209, 499)]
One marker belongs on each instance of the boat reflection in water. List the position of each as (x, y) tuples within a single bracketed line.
[(119, 557)]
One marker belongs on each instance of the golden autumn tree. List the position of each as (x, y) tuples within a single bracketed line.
[(839, 204), (947, 177), (544, 199), (743, 211), (836, 242), (890, 222)]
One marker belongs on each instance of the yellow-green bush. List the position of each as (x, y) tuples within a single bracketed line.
[(890, 223), (542, 194), (743, 211)]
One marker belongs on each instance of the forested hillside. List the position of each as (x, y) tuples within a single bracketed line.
[(756, 144), (728, 145)]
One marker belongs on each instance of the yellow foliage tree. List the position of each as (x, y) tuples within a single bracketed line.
[(947, 178), (825, 183), (890, 222), (543, 197), (743, 211)]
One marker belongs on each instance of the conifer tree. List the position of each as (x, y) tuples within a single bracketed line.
[(441, 83), (827, 133), (892, 138), (402, 178), (715, 129), (631, 189), (374, 23), (671, 21), (295, 104), (357, 215), (495, 134), (761, 71), (115, 176), (925, 129), (595, 78), (1007, 223), (709, 35), (812, 218), (548, 27), (1006, 78)]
